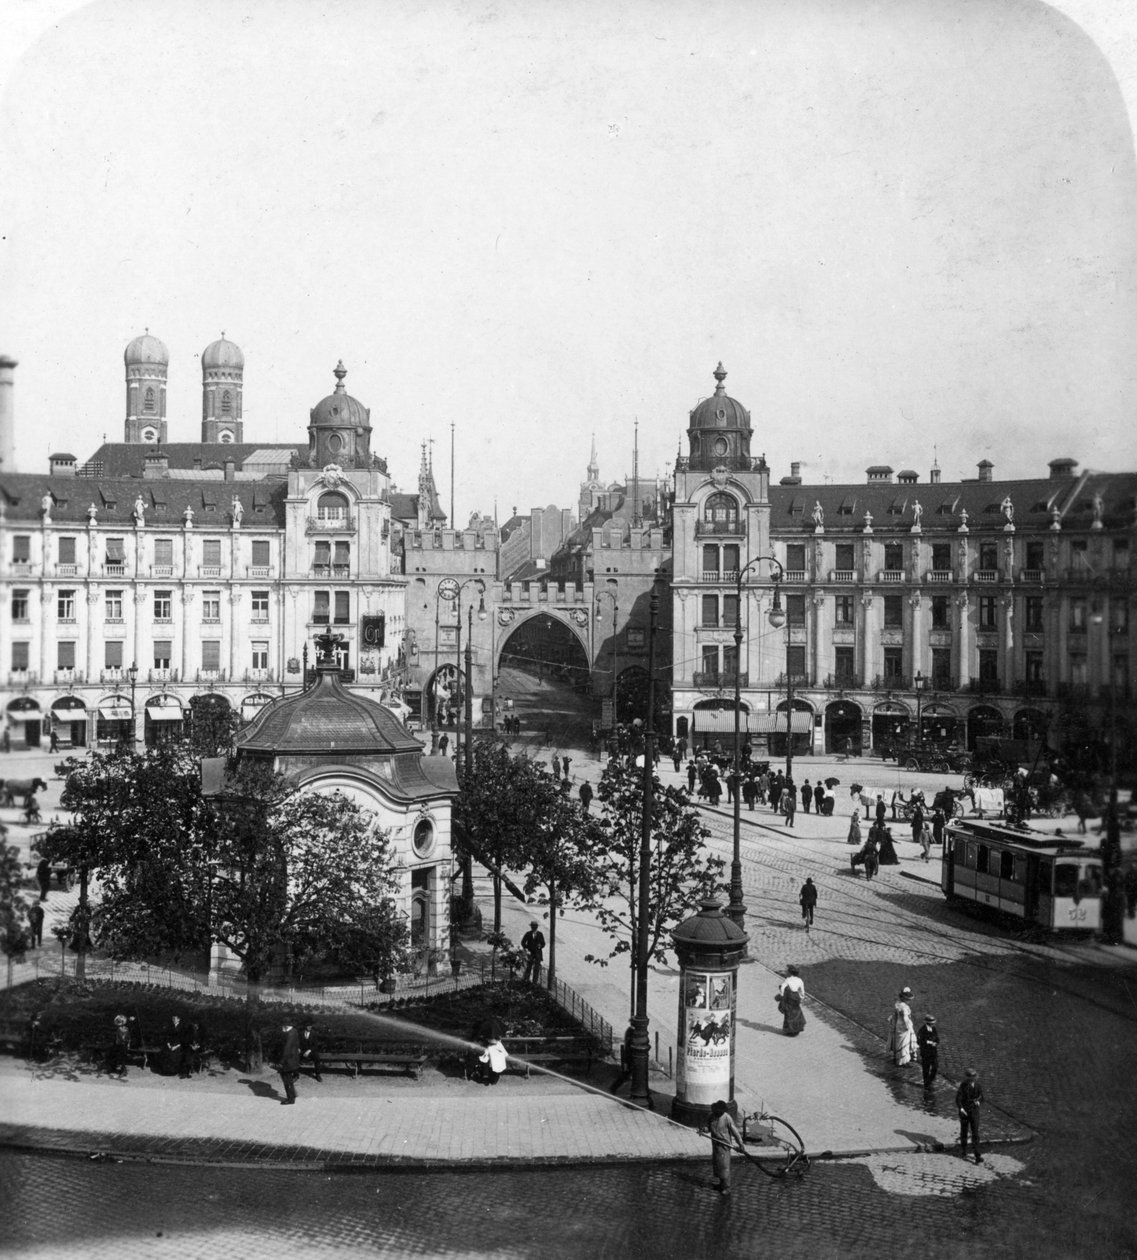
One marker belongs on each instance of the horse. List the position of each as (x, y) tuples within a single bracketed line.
[(12, 789)]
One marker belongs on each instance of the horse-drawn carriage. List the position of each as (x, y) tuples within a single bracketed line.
[(23, 791)]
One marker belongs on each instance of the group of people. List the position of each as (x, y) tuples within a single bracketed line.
[(908, 1044)]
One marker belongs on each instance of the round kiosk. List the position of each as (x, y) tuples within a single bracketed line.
[(709, 947)]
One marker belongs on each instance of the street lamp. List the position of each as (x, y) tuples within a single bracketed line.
[(468, 697), (132, 674), (736, 910), (615, 610), (639, 1045), (919, 683)]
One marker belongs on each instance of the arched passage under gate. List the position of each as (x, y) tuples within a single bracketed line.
[(983, 720), (546, 648)]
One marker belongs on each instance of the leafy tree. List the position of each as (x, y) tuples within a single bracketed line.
[(268, 870), (558, 851), (495, 810), (212, 726), (681, 875), (13, 929), (374, 942)]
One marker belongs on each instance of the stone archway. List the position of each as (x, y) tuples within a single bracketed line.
[(843, 727), (982, 721), (1030, 724)]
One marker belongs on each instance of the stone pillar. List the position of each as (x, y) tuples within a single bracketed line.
[(709, 947)]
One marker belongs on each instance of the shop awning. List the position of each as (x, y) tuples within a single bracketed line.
[(165, 710), (720, 720), (252, 705), (115, 712), (773, 723)]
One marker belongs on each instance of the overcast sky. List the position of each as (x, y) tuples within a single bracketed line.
[(906, 227)]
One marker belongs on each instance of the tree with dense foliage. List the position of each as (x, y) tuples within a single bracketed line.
[(558, 851), (681, 874), (496, 809), (14, 932), (270, 871), (212, 726)]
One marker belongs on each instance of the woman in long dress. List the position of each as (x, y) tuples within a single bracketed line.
[(855, 827), (902, 1032), (790, 995)]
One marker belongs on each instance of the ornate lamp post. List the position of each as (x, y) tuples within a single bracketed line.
[(615, 612), (639, 1044), (467, 709), (736, 910), (132, 674), (919, 683)]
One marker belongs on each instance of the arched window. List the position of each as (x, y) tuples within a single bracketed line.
[(226, 403), (148, 401), (331, 507), (721, 509)]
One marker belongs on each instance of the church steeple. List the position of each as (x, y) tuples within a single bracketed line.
[(593, 465), (590, 488)]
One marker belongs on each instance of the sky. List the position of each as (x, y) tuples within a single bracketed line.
[(906, 227)]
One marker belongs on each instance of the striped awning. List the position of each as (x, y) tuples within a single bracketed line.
[(166, 709), (115, 712)]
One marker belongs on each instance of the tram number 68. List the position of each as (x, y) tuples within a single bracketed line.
[(1076, 914)]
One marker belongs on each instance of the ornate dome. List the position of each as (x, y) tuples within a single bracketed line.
[(146, 349), (720, 411), (339, 410), (326, 718), (222, 354)]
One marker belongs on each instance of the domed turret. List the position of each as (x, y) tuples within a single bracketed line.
[(222, 390), (146, 350), (222, 353), (147, 361), (719, 430), (339, 428)]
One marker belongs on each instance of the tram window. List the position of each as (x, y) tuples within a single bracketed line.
[(983, 859), (1065, 880), (1091, 881), (1006, 865)]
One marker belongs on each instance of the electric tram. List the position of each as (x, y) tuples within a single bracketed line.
[(1044, 879)]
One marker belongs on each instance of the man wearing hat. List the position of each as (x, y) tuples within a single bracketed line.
[(116, 1057), (928, 1039), (533, 943), (967, 1100)]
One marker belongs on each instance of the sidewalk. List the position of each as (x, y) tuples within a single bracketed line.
[(834, 1084)]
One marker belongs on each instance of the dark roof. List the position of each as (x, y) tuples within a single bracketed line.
[(323, 719), (128, 459), (893, 505), (166, 500)]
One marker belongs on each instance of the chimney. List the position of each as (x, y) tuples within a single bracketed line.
[(230, 468), (1062, 468), (986, 470), (7, 415), (907, 477), (155, 466), (62, 465)]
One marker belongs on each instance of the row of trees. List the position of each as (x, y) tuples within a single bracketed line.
[(516, 817)]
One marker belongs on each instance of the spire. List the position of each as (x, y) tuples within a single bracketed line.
[(593, 463)]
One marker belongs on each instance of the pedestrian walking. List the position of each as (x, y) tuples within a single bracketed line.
[(775, 795), (289, 1062), (556, 764), (443, 744), (682, 746), (925, 841), (901, 1033), (585, 793), (310, 1049), (53, 742), (566, 761), (917, 823), (808, 899), (789, 802), (806, 796), (854, 836), (928, 1039), (726, 1138), (939, 822), (35, 922), (692, 775), (733, 779), (968, 1098), (676, 758), (790, 995), (818, 796), (880, 810), (533, 943), (749, 791), (43, 878)]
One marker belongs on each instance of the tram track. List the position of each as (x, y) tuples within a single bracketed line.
[(862, 924)]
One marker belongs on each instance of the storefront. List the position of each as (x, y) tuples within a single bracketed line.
[(69, 722), (25, 723), (164, 719)]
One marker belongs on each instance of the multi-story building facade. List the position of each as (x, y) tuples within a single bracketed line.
[(971, 608), (158, 574)]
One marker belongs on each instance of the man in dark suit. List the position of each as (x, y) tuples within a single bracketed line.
[(968, 1098), (310, 1049), (928, 1039), (289, 1065)]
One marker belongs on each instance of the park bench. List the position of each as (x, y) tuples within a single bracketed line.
[(404, 1059), (569, 1049)]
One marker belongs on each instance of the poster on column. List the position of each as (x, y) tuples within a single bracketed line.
[(706, 1036)]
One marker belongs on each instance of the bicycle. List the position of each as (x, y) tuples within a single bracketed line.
[(783, 1151)]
